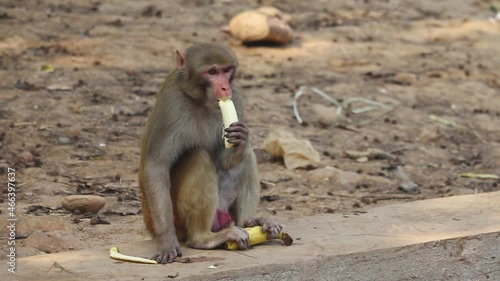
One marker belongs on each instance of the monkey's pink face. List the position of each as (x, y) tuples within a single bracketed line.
[(220, 77)]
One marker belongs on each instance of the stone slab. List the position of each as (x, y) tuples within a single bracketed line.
[(454, 238)]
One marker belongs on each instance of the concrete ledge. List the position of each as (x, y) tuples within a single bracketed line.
[(454, 238)]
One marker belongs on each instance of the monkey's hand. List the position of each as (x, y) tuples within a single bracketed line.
[(240, 236), (270, 227), (167, 252), (237, 134)]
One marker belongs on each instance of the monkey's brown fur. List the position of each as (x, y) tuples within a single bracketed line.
[(186, 174)]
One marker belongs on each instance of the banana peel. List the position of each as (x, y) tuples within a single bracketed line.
[(257, 236), (114, 253)]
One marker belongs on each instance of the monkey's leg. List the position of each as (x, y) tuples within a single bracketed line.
[(248, 199), (196, 194)]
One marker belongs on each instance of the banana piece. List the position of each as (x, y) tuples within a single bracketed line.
[(256, 236), (229, 116), (115, 254)]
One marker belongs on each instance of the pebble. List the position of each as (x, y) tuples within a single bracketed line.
[(83, 203), (64, 141), (25, 157)]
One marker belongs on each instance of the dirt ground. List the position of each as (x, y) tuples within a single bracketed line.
[(79, 78)]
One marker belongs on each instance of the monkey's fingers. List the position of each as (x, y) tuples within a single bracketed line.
[(237, 126), (236, 136), (229, 116), (114, 253), (272, 229)]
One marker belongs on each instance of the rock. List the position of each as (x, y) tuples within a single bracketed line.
[(266, 24), (409, 187), (25, 157), (83, 203)]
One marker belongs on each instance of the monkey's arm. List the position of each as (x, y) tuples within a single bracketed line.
[(159, 152), (157, 186)]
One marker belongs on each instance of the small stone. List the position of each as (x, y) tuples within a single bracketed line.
[(328, 210), (362, 159), (25, 157), (405, 79), (83, 203), (410, 187), (64, 141)]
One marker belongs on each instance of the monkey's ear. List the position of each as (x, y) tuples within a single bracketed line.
[(179, 58)]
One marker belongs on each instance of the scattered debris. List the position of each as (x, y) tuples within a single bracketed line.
[(369, 154), (328, 210), (296, 153), (59, 87), (173, 275), (39, 210), (46, 68), (407, 185), (57, 265), (64, 141), (26, 86), (479, 176), (98, 220), (442, 120), (151, 11), (269, 198)]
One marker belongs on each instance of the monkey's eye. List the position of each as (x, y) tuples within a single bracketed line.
[(212, 71), (227, 70)]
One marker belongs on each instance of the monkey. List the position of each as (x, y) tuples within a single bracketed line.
[(194, 190)]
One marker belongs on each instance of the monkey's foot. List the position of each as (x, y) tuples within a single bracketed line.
[(167, 256), (269, 226)]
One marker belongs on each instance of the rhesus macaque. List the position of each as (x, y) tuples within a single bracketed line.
[(193, 188)]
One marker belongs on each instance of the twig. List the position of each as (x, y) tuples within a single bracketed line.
[(23, 124), (268, 183), (57, 265), (239, 252)]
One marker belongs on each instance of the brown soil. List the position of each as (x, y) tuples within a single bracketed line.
[(77, 129)]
